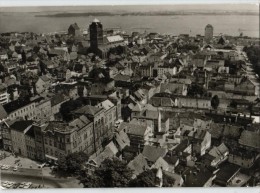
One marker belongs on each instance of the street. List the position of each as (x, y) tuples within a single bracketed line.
[(34, 176)]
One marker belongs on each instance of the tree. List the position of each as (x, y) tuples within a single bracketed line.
[(72, 163), (67, 107), (215, 102), (24, 57), (195, 90), (148, 179), (145, 179), (111, 173)]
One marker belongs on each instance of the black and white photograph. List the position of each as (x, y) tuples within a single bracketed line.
[(129, 94)]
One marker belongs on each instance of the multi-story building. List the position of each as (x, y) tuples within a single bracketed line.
[(43, 106), (4, 96), (20, 135), (56, 102), (6, 135), (96, 115), (189, 102), (138, 134), (39, 142), (110, 115), (20, 109), (61, 139)]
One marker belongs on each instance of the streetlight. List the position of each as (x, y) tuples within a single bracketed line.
[(42, 176)]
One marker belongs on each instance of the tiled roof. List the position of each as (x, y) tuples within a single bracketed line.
[(21, 125), (109, 152), (122, 139), (133, 129), (138, 164), (112, 39), (107, 104), (88, 110), (153, 153), (161, 163), (58, 98), (75, 26), (250, 138)]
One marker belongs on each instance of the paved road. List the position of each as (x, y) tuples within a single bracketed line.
[(34, 176)]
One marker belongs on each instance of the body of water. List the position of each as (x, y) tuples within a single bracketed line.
[(175, 25)]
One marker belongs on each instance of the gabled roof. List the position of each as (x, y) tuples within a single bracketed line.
[(58, 98), (175, 177), (152, 153), (133, 129), (172, 160), (138, 164), (21, 125), (218, 151), (161, 163), (250, 138), (44, 78), (232, 131), (107, 104), (109, 152), (122, 139), (75, 26)]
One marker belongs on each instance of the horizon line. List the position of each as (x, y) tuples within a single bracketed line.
[(134, 4)]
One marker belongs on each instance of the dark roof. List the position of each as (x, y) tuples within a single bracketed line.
[(21, 125), (152, 153), (171, 159), (133, 129), (182, 146), (17, 104), (227, 170), (75, 26), (58, 98), (197, 177), (30, 132)]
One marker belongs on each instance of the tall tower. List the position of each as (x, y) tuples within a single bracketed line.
[(96, 34), (208, 33)]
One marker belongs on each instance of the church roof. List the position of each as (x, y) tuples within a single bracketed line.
[(116, 38), (209, 25)]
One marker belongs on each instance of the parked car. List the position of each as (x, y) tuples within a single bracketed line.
[(27, 185), (16, 185), (22, 185), (15, 168)]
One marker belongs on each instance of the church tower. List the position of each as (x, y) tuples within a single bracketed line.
[(208, 33), (96, 34)]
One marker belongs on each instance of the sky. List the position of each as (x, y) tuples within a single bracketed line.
[(6, 3), (126, 5)]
